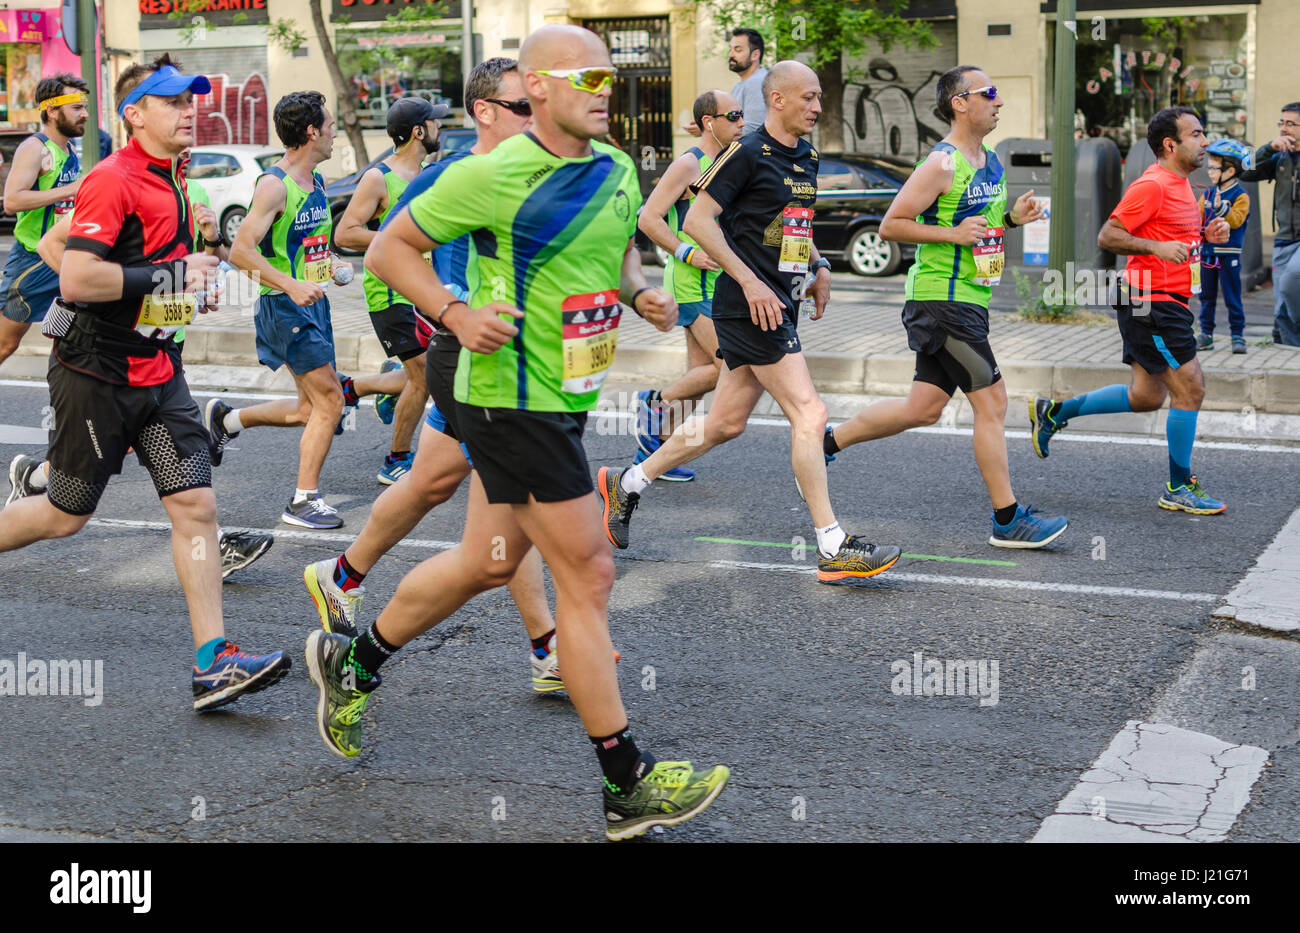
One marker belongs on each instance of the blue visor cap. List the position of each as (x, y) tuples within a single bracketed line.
[(167, 81)]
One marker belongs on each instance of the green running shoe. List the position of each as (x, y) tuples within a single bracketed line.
[(343, 695), (671, 793)]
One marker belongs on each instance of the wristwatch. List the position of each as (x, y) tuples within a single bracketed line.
[(818, 264)]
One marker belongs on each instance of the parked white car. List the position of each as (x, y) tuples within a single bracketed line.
[(228, 174)]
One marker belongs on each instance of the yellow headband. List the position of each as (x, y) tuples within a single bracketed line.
[(75, 98)]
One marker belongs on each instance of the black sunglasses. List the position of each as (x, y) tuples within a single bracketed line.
[(730, 115), (521, 107)]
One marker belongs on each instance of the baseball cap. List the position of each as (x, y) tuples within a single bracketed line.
[(167, 81), (410, 112)]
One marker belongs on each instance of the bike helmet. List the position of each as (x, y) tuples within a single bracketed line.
[(1236, 153)]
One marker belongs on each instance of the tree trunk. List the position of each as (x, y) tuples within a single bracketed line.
[(830, 135), (346, 95)]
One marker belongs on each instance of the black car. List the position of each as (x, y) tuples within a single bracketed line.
[(853, 193)]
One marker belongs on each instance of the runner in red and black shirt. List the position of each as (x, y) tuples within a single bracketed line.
[(130, 277)]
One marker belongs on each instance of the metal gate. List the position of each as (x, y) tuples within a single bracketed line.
[(641, 106)]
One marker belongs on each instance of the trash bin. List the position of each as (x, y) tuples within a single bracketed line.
[(1028, 164)]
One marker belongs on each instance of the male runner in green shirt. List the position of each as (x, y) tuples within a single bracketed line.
[(958, 198), (553, 215)]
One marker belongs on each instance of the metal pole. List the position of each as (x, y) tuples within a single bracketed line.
[(467, 62), (90, 74), (1061, 232)]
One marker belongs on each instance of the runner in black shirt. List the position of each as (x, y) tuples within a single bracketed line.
[(130, 274), (753, 214)]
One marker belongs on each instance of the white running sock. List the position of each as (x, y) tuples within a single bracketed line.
[(40, 477), (830, 539), (231, 423), (301, 495), (634, 481)]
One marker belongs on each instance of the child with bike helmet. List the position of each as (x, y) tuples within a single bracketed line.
[(1221, 262)]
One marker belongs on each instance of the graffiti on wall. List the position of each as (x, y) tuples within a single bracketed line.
[(233, 113), (888, 117)]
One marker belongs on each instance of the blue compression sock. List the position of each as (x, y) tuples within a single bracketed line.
[(1103, 401), (207, 654), (1180, 431)]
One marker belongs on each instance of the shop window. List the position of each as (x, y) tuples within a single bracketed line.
[(1145, 64)]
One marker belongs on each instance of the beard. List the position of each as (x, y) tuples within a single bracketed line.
[(736, 66), (430, 145), (68, 128)]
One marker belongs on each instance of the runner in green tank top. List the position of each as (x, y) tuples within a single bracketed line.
[(413, 127), (954, 206), (689, 277), (283, 244), (39, 189), (552, 213)]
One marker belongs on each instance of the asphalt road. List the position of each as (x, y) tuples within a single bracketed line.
[(760, 667)]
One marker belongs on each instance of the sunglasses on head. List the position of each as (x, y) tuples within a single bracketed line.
[(730, 115), (988, 91), (591, 80), (520, 108)]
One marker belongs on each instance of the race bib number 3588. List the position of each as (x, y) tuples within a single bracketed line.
[(590, 337)]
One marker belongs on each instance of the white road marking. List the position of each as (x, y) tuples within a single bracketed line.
[(1157, 783), (1267, 594), (993, 583), (937, 579), (18, 434)]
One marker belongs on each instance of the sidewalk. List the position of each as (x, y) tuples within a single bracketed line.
[(858, 349)]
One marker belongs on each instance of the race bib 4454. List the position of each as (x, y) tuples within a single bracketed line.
[(590, 337)]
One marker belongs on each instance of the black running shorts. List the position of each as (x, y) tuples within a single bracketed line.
[(95, 423), (440, 377), (958, 365), (519, 454), (1160, 340), (741, 342), (396, 329)]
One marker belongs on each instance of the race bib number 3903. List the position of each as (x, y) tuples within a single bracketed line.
[(590, 337), (989, 257), (796, 239), (317, 266)]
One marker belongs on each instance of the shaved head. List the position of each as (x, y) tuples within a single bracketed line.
[(559, 46), (788, 77)]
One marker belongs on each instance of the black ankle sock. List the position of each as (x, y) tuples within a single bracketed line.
[(369, 652), (621, 761), (539, 644), (828, 442), (1003, 516), (396, 455)]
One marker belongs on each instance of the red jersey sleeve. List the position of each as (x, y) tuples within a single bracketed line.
[(99, 208), (1140, 204)]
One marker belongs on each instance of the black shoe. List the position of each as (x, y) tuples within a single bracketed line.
[(619, 505), (241, 548), (214, 416), (20, 478)]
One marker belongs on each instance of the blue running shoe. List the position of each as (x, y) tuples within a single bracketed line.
[(395, 469), (675, 475), (1042, 424), (385, 404), (648, 423), (1189, 497), (234, 673), (1027, 529)]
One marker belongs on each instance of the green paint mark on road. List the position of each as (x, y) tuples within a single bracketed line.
[(951, 560)]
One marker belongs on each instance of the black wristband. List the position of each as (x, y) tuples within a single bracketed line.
[(637, 294), (161, 277), (1008, 222)]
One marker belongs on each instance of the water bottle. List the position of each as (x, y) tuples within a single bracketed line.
[(343, 272), (201, 296)]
